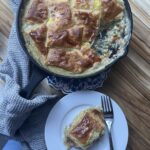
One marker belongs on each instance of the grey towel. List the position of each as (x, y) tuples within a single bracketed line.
[(20, 118)]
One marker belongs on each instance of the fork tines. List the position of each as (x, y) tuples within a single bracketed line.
[(107, 105)]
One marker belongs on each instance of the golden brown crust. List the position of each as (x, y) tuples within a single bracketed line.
[(39, 36), (57, 38), (75, 61), (66, 38), (61, 14), (75, 36), (111, 9), (37, 12), (90, 21), (82, 4), (65, 27), (56, 56), (81, 131)]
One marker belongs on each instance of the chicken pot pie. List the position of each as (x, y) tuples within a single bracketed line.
[(61, 35), (85, 129)]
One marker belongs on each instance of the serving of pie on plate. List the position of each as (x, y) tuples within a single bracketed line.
[(69, 115), (86, 128), (60, 34)]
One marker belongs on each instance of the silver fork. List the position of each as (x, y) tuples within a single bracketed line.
[(108, 115)]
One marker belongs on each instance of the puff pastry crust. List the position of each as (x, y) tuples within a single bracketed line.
[(60, 30), (38, 11), (87, 127)]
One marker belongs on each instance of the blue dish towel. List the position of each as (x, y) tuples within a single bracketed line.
[(20, 118)]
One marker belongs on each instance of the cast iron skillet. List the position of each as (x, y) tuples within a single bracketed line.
[(38, 73)]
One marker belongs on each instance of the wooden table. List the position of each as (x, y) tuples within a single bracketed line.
[(129, 81)]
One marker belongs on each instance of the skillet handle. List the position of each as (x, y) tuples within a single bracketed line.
[(37, 75)]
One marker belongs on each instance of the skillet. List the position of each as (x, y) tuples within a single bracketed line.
[(38, 73)]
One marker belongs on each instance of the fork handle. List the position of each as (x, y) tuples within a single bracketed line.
[(110, 141)]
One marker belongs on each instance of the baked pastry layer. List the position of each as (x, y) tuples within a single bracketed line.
[(66, 30), (87, 127)]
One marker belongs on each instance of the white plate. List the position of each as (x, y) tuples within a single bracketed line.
[(65, 111)]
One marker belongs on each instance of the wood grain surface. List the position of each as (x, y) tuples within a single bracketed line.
[(128, 82)]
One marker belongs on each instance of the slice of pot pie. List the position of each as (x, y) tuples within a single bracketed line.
[(66, 30), (86, 128)]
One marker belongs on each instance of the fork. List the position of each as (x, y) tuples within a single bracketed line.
[(108, 115)]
